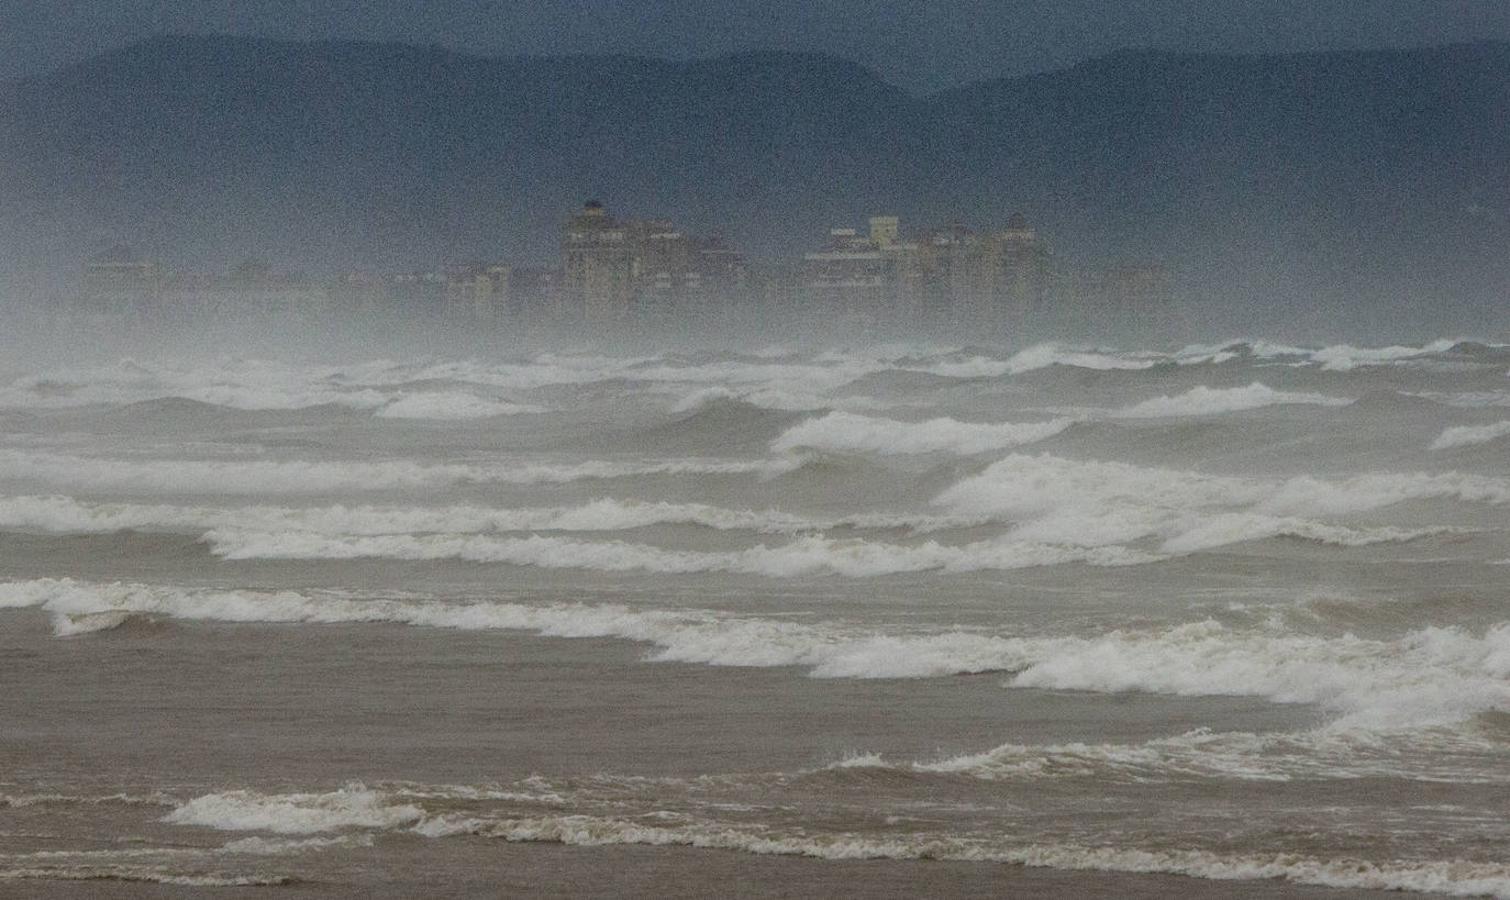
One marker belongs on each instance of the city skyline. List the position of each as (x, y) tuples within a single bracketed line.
[(651, 275)]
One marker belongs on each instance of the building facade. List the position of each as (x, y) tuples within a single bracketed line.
[(643, 271)]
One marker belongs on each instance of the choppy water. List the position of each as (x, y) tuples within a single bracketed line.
[(1234, 612)]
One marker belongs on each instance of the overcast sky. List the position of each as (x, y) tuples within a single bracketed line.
[(919, 44)]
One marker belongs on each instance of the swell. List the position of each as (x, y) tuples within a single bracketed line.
[(403, 809), (1424, 678), (261, 476)]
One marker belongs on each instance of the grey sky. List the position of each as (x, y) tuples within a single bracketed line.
[(920, 44)]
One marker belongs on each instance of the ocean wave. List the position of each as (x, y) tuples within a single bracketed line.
[(451, 405), (138, 873), (1428, 677), (1345, 357), (295, 476), (1202, 401), (1222, 530), (1457, 877), (846, 432), (66, 515), (1470, 435), (810, 555), (786, 400), (351, 807), (17, 801), (1453, 755), (1091, 503), (1040, 356)]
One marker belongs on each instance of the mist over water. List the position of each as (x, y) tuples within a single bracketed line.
[(1231, 609)]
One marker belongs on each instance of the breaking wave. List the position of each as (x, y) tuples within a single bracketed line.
[(1450, 876), (810, 555), (353, 807), (262, 476), (60, 514), (451, 405), (1430, 676), (846, 432), (1106, 502), (1202, 401), (1469, 435), (360, 807)]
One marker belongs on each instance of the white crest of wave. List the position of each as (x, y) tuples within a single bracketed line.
[(1451, 755), (451, 405), (1203, 401), (809, 555), (1428, 677), (137, 873), (67, 515), (1039, 356), (299, 476), (1432, 676), (1089, 503), (1219, 530), (232, 383), (785, 399), (1345, 357), (353, 806), (842, 431), (1470, 435), (1447, 876)]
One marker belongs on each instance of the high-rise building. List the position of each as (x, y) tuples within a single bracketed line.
[(1018, 268), (647, 270), (479, 292), (597, 263), (861, 280)]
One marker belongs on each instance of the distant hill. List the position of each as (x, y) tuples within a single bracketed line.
[(1330, 174)]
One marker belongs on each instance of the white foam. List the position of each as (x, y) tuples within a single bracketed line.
[(1205, 401), (1089, 503), (1231, 528), (845, 432), (353, 806), (1429, 677), (1345, 357), (1449, 755), (1470, 435), (773, 398), (1448, 876), (451, 405), (65, 515), (146, 874), (297, 476), (809, 555)]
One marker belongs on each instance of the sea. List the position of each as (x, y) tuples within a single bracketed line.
[(1066, 621)]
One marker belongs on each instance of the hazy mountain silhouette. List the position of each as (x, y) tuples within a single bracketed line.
[(1279, 175)]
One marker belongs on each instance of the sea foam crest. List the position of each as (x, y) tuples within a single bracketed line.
[(354, 806), (1470, 435), (808, 555), (1447, 754), (1429, 677), (1091, 503), (1457, 877), (297, 476), (1344, 357), (451, 405), (1202, 400), (67, 515), (847, 432)]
